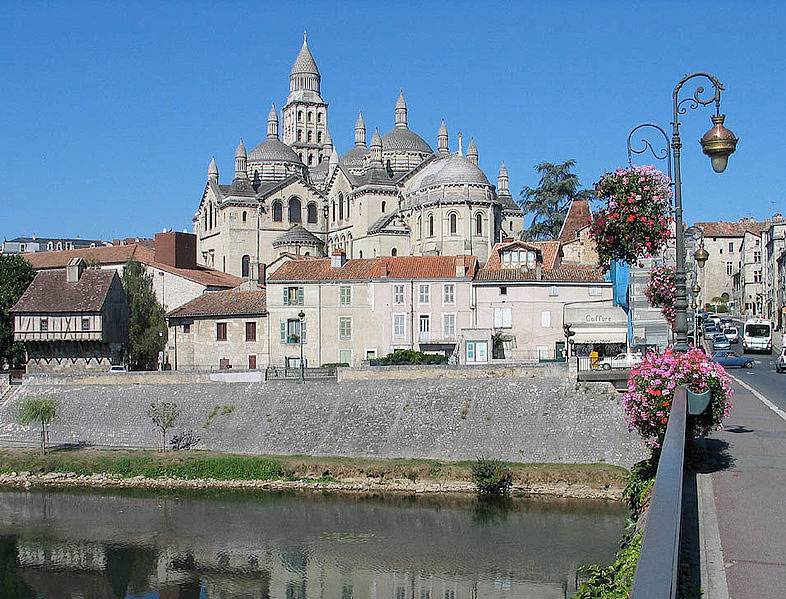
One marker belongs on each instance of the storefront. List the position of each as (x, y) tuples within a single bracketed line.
[(603, 329)]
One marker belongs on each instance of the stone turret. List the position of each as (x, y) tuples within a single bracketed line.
[(360, 131), (472, 152), (272, 122), (305, 74), (327, 146), (212, 171), (401, 111), (376, 149), (241, 158), (502, 180), (442, 139)]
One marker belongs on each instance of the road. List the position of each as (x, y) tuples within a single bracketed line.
[(747, 485)]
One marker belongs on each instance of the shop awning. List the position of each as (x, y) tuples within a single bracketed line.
[(600, 336)]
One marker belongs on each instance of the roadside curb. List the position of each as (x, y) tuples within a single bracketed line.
[(713, 572), (778, 412)]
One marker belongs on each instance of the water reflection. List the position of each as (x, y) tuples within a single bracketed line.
[(83, 545)]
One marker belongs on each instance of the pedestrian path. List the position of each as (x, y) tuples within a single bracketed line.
[(748, 485)]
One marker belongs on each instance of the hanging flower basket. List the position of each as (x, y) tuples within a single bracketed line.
[(635, 221), (661, 291), (651, 388)]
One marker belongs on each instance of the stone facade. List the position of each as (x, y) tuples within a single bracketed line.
[(394, 197)]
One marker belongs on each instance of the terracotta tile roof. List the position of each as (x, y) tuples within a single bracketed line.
[(50, 292), (399, 267), (549, 250), (724, 229), (119, 254), (579, 216), (224, 303), (565, 273)]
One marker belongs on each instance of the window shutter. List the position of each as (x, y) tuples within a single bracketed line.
[(545, 318), (300, 296), (283, 324), (303, 328), (497, 318), (507, 317), (286, 296)]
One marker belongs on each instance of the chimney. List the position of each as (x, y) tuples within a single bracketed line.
[(262, 270), (338, 258), (383, 269), (175, 249), (460, 270), (74, 269)]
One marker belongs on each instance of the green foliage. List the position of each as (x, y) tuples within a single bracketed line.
[(146, 325), (39, 410), (491, 477), (409, 357), (550, 200), (16, 274), (335, 365), (164, 415), (642, 477), (615, 581)]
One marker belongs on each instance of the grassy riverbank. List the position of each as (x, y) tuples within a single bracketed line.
[(576, 480)]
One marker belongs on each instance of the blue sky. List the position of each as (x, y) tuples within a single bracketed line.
[(110, 112)]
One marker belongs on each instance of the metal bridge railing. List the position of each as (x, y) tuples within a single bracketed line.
[(658, 565)]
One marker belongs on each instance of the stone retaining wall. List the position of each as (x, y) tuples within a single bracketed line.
[(516, 419), (494, 371)]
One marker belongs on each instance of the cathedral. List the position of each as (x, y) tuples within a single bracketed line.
[(395, 196)]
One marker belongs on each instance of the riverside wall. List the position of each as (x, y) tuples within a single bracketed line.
[(520, 419)]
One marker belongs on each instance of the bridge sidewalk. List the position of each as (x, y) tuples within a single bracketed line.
[(749, 490)]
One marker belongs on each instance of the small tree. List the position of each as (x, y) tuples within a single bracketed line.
[(146, 324), (15, 275), (41, 410), (163, 414)]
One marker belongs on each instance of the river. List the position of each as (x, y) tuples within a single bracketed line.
[(82, 544)]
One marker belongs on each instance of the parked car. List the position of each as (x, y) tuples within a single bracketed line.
[(719, 341), (732, 334), (709, 329), (726, 322), (116, 368), (620, 361), (780, 361), (727, 358)]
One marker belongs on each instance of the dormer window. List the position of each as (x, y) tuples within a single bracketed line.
[(518, 259)]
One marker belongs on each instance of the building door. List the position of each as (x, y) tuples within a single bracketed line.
[(425, 327), (477, 352), (252, 362)]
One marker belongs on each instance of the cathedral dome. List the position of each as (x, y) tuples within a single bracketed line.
[(274, 150), (402, 138), (454, 169), (355, 158)]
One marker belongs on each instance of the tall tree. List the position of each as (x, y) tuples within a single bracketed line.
[(146, 324), (16, 273), (550, 200)]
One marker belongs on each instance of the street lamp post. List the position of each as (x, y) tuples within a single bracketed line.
[(718, 144), (302, 318)]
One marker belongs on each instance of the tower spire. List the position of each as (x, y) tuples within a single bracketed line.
[(442, 139), (472, 152), (401, 111), (461, 146), (241, 158), (272, 122), (376, 148), (502, 180), (360, 131), (212, 170)]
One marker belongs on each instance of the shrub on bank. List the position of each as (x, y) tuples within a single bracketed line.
[(403, 357), (491, 477)]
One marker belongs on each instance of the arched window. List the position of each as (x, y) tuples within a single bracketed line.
[(299, 116), (340, 206), (300, 137), (210, 220), (294, 210), (245, 216), (360, 253), (453, 223), (478, 224), (311, 213), (511, 225), (333, 203), (383, 206), (431, 225), (420, 227), (245, 266), (310, 117), (309, 136), (394, 252), (319, 137), (277, 217), (319, 117), (349, 245), (310, 159)]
